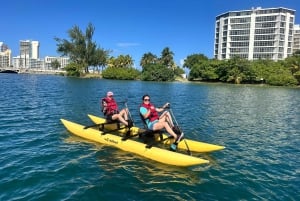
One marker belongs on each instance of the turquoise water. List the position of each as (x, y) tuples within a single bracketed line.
[(40, 160)]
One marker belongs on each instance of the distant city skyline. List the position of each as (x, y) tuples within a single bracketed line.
[(130, 27)]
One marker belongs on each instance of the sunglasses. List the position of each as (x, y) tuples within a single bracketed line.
[(146, 99)]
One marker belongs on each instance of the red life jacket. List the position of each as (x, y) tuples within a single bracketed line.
[(153, 113), (111, 106)]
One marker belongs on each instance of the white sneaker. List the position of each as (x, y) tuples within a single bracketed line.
[(180, 137)]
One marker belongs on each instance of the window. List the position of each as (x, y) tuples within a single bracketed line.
[(264, 37), (240, 32), (240, 20), (265, 18), (265, 25), (265, 31)]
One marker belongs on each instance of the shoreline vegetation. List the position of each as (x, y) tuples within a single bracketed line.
[(177, 79)]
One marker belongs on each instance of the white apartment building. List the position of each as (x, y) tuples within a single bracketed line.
[(26, 63), (35, 49), (255, 34), (41, 64), (63, 61), (296, 38), (29, 57)]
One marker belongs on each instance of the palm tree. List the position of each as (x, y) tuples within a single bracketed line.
[(148, 58), (122, 61), (81, 49), (167, 58), (125, 61)]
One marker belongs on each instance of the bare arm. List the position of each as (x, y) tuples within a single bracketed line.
[(162, 108)]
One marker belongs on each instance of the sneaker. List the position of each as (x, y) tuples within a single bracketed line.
[(130, 123), (180, 137), (176, 130), (173, 147)]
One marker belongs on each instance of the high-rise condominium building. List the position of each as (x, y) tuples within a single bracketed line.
[(254, 34), (35, 49), (29, 49), (29, 53), (296, 38)]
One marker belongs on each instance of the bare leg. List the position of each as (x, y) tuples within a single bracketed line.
[(122, 117), (166, 116), (163, 124), (124, 113)]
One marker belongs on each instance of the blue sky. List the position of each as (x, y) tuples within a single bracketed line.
[(132, 27)]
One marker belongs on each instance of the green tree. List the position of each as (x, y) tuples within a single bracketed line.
[(55, 64), (235, 70), (293, 63), (167, 58), (240, 71), (73, 69), (194, 59), (296, 53), (121, 73), (273, 73), (206, 71), (122, 61), (81, 48), (121, 68), (148, 58), (178, 71), (157, 72), (280, 75), (100, 59)]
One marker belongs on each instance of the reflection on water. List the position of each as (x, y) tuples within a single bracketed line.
[(151, 176)]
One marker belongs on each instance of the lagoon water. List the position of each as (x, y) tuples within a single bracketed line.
[(40, 160)]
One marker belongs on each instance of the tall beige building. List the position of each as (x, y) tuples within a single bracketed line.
[(5, 56), (255, 34), (29, 49), (29, 53)]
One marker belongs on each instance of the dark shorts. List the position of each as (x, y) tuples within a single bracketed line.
[(109, 116)]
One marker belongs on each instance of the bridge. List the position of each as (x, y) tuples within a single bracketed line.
[(9, 70), (30, 70)]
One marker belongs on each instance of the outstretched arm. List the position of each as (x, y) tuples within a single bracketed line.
[(162, 108)]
